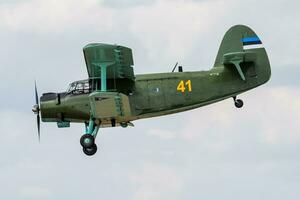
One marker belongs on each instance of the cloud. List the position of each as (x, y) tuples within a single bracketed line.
[(272, 114), (127, 3), (266, 109), (155, 181), (34, 192), (163, 134), (9, 120), (169, 30), (281, 116), (163, 30), (53, 17)]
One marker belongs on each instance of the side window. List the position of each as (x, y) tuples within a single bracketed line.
[(86, 87), (79, 88), (72, 88)]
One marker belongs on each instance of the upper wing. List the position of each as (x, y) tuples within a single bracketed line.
[(118, 62), (118, 59)]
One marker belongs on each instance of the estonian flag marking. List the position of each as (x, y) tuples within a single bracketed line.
[(251, 41)]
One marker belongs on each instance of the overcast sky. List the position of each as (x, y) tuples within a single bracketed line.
[(215, 152)]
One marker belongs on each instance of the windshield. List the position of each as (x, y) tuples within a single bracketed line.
[(79, 87), (71, 87)]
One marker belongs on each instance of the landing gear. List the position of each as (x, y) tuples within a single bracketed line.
[(91, 150), (87, 141), (124, 124), (238, 102)]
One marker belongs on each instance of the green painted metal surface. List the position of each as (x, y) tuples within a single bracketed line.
[(127, 97), (118, 59)]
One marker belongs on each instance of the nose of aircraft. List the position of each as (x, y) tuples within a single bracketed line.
[(48, 106)]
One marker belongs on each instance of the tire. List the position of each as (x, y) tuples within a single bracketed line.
[(238, 103), (90, 151), (124, 124), (87, 141)]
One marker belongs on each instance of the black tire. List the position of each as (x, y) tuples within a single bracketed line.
[(87, 141), (90, 151), (124, 124), (238, 103)]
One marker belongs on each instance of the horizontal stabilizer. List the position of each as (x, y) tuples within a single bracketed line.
[(240, 56), (237, 58)]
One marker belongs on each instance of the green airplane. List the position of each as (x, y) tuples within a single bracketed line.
[(114, 96)]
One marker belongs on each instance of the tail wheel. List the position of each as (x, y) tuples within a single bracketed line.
[(238, 103), (90, 151)]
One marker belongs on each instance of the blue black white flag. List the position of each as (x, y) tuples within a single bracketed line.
[(251, 42)]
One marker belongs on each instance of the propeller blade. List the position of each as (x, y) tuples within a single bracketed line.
[(36, 94), (36, 110), (38, 126)]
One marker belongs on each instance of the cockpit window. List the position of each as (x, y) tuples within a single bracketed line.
[(86, 87), (72, 87), (79, 87)]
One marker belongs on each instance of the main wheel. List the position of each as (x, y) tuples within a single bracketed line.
[(238, 103), (87, 141), (90, 151), (124, 124)]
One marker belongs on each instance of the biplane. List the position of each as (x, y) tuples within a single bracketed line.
[(113, 95)]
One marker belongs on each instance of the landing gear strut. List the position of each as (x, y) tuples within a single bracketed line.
[(238, 102), (87, 141)]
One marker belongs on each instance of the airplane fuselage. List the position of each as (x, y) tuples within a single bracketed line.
[(159, 94), (113, 95)]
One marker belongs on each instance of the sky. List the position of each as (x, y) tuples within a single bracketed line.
[(212, 152)]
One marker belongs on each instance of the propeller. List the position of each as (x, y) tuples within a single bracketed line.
[(36, 110)]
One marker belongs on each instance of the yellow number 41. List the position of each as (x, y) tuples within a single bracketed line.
[(182, 86)]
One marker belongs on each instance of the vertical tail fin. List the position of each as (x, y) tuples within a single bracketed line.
[(241, 44)]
